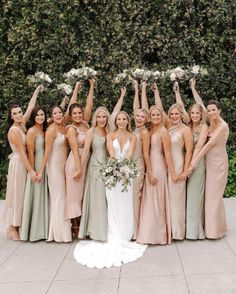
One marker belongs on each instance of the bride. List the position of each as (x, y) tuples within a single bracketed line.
[(118, 249)]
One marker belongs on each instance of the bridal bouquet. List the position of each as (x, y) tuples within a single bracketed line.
[(113, 171), (39, 78), (79, 74), (64, 88)]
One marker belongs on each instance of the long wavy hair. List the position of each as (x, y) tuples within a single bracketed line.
[(94, 119), (33, 116), (200, 108), (128, 127), (10, 121)]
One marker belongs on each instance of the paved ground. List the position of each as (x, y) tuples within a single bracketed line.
[(183, 267)]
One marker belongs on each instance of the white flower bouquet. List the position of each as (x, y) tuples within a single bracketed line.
[(39, 78), (123, 79), (113, 171), (79, 74), (198, 71), (177, 74), (64, 88)]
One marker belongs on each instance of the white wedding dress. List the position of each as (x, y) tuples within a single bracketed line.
[(117, 249)]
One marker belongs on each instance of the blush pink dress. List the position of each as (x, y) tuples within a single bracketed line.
[(16, 180), (155, 222), (59, 227), (74, 190), (216, 179)]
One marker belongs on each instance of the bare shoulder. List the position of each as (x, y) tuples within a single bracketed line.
[(51, 130), (203, 127), (32, 133)]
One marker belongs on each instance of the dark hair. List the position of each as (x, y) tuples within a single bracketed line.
[(33, 116), (73, 106), (11, 105), (214, 102), (56, 106)]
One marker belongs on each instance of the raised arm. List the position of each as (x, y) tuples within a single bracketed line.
[(158, 102), (136, 104), (144, 101), (32, 103), (179, 100), (87, 145), (196, 96), (64, 101), (72, 100), (89, 102), (117, 107), (146, 148), (16, 138)]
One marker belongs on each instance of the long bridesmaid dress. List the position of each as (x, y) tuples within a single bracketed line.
[(195, 199), (74, 190), (216, 179), (94, 214), (177, 191), (35, 213), (155, 222), (16, 179), (59, 228), (139, 181)]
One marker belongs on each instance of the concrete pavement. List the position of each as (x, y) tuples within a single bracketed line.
[(207, 266)]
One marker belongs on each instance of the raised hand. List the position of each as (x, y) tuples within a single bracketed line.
[(176, 87), (40, 88), (123, 91)]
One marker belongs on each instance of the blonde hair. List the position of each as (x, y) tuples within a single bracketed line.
[(200, 108), (146, 113), (176, 106), (94, 119), (128, 127), (153, 107)]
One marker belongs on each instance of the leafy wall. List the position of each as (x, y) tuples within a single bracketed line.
[(109, 35)]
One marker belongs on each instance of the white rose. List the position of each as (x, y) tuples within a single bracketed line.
[(173, 76), (195, 69)]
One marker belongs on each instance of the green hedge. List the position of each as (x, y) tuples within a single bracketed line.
[(54, 36)]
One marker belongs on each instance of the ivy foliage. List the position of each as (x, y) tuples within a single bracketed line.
[(109, 36)]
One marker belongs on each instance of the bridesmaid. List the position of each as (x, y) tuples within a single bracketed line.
[(216, 172), (181, 148), (140, 154), (196, 182), (94, 212), (18, 166), (75, 172), (155, 222), (35, 213), (55, 157)]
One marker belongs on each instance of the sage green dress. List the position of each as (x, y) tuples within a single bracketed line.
[(195, 199), (35, 210), (94, 213)]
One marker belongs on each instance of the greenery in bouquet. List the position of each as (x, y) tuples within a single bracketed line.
[(113, 171), (123, 79), (177, 74), (197, 71)]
